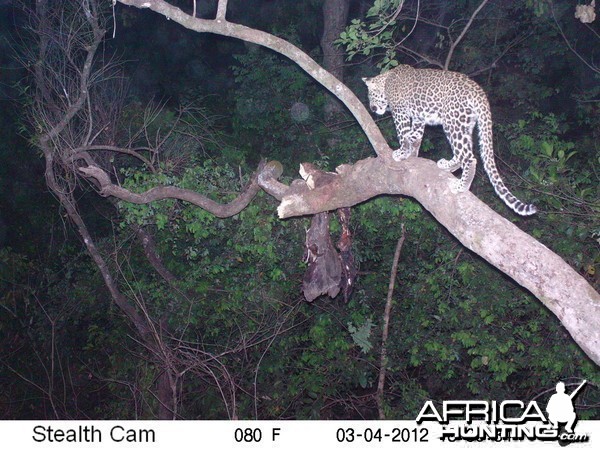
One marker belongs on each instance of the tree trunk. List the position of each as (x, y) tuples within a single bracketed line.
[(166, 399), (335, 16)]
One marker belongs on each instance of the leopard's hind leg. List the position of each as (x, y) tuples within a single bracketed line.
[(460, 137)]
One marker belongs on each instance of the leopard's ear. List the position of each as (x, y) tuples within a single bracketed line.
[(366, 80)]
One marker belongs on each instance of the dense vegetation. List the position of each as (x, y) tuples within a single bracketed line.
[(246, 343)]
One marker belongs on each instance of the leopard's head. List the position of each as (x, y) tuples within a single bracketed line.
[(376, 87)]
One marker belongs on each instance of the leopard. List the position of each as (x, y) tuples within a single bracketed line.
[(418, 97)]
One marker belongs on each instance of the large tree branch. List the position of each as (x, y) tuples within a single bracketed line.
[(473, 223), (222, 27), (527, 261)]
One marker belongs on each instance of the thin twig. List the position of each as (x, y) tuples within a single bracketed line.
[(386, 324), (462, 34), (414, 24), (392, 17), (569, 46)]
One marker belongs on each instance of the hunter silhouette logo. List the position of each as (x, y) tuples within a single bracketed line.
[(560, 407), (507, 420)]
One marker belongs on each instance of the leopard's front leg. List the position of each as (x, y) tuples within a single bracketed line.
[(410, 137), (402, 123), (416, 136)]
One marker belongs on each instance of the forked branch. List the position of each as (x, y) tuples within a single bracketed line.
[(462, 34)]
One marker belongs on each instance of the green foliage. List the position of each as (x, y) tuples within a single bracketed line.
[(375, 34), (361, 335), (539, 139), (460, 331), (568, 182)]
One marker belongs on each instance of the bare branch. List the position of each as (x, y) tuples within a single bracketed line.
[(107, 188), (569, 46), (386, 324), (414, 23), (149, 246), (65, 75), (414, 54), (462, 34), (221, 10)]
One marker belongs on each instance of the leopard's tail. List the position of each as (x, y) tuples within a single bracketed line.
[(486, 147)]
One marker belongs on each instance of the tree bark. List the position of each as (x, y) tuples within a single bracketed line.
[(149, 245), (166, 394), (324, 269), (335, 16)]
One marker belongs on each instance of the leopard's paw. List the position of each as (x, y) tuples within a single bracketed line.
[(400, 154), (443, 164), (456, 186)]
